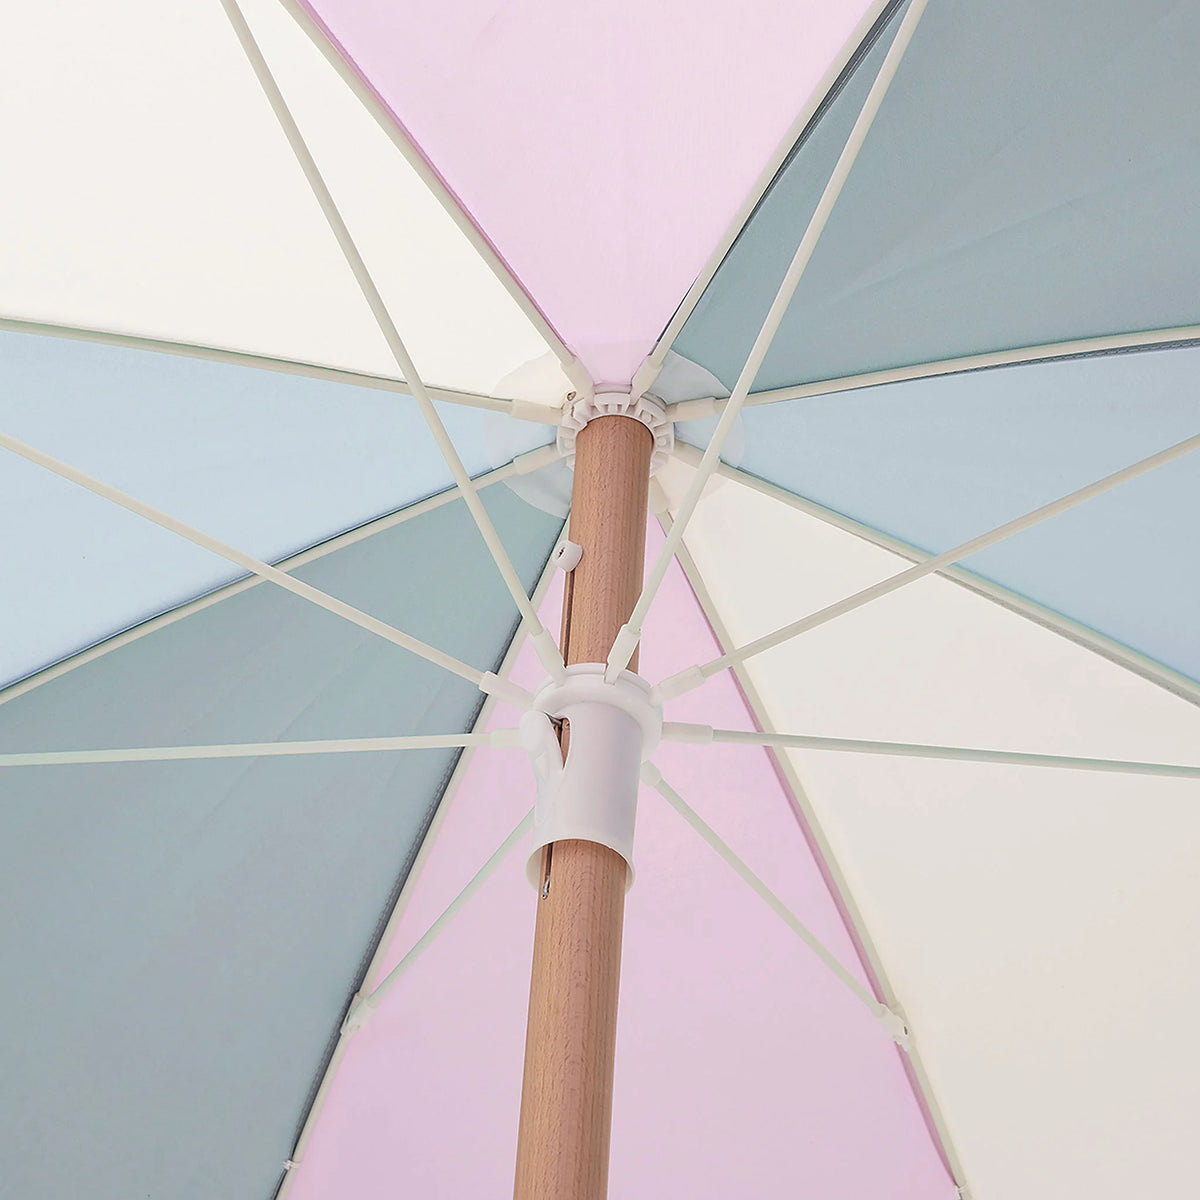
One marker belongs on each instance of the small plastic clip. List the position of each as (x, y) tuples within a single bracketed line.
[(360, 1009), (894, 1025), (566, 556)]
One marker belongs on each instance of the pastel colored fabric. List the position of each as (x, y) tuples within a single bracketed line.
[(603, 149), (711, 979), (295, 295)]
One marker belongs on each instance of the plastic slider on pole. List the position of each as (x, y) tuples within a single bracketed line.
[(614, 728)]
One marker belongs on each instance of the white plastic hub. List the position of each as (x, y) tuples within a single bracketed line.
[(615, 727), (651, 411)]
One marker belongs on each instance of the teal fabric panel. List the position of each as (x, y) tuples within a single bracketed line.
[(268, 462), (936, 462), (722, 327), (180, 940), (1031, 178)]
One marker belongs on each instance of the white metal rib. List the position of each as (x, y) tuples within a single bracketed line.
[(484, 681), (510, 659), (519, 410), (648, 371), (521, 465), (827, 860), (653, 777), (363, 1006), (411, 880), (372, 1000), (432, 741), (686, 680), (629, 634), (387, 121), (1098, 643), (1122, 343), (701, 734), (542, 641)]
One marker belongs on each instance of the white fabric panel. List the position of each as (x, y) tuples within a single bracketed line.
[(460, 325), (150, 191), (1038, 925)]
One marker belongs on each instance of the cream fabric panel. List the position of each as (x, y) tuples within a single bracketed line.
[(1037, 924), (461, 326), (149, 190)]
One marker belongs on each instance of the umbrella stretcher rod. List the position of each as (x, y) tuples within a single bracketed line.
[(131, 754), (1144, 339), (542, 642), (486, 681), (693, 677), (681, 731), (627, 637), (523, 464), (566, 1100)]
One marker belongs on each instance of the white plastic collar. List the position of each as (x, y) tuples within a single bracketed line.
[(651, 411), (593, 795)]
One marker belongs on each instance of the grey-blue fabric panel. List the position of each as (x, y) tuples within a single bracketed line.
[(937, 461), (1031, 178), (180, 939)]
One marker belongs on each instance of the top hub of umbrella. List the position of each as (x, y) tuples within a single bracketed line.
[(650, 410)]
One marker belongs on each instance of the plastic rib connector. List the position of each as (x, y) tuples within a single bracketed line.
[(894, 1025), (593, 795), (361, 1008), (651, 411)]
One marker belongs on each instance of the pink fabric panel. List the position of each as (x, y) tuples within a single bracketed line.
[(743, 1067), (603, 148)]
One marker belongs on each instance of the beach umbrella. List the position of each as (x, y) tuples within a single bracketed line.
[(512, 508)]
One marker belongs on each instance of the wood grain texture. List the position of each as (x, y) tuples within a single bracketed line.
[(570, 1042), (608, 521)]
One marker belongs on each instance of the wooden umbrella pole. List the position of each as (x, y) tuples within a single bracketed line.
[(570, 1041)]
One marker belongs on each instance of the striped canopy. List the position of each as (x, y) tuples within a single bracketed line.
[(293, 296)]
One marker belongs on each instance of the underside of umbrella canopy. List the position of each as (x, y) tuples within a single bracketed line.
[(297, 297), (191, 931)]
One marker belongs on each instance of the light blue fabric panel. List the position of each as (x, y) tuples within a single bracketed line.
[(180, 940), (935, 462), (1031, 178), (269, 463)]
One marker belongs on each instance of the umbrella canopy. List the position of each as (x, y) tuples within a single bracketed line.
[(302, 305)]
